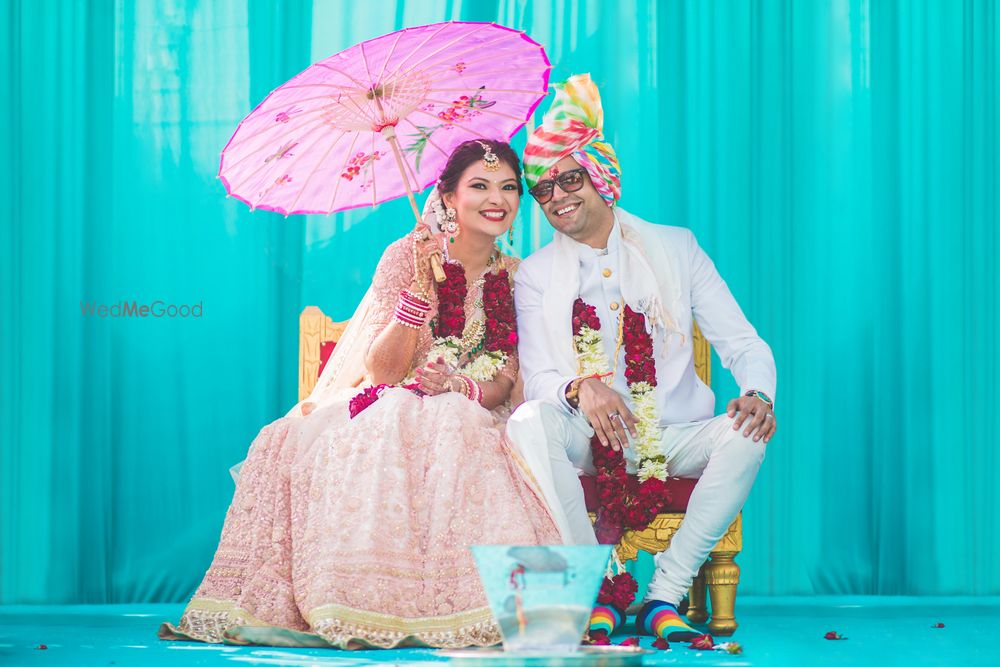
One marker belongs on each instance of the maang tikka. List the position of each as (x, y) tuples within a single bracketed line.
[(490, 161)]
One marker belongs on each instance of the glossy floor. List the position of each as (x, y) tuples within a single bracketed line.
[(773, 631)]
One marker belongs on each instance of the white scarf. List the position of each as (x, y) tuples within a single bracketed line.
[(648, 279)]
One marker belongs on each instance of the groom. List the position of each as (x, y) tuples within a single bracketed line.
[(610, 261)]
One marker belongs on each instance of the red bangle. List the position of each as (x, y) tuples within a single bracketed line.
[(408, 320), (411, 311), (408, 298), (475, 391)]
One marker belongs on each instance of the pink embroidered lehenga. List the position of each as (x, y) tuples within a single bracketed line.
[(354, 532)]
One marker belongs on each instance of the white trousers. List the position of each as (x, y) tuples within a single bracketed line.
[(556, 446)]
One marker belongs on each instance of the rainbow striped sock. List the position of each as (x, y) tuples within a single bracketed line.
[(604, 618), (661, 619)]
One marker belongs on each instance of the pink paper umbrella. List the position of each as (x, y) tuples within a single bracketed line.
[(380, 119)]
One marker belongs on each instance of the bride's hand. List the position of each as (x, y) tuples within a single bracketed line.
[(435, 378), (425, 245)]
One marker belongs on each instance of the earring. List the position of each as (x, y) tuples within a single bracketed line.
[(446, 218), (450, 224), (510, 234)]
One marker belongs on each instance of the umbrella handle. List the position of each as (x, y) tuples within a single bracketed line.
[(437, 267), (389, 133)]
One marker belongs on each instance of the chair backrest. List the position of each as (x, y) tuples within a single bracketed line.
[(702, 356), (316, 330)]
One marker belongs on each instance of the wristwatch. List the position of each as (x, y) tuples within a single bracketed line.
[(754, 393)]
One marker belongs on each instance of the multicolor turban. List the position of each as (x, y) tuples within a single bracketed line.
[(574, 125)]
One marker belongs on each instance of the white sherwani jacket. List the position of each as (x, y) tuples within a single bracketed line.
[(690, 290)]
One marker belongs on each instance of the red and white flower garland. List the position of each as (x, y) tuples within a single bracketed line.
[(494, 338), (626, 503)]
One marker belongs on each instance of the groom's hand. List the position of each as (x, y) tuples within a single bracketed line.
[(607, 412), (759, 413)]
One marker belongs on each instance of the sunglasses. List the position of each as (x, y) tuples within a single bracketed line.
[(568, 181)]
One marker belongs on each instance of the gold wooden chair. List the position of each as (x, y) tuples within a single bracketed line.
[(317, 336), (718, 577)]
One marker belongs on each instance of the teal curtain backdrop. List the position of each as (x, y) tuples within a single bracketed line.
[(837, 159)]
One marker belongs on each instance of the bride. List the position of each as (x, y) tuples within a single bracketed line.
[(353, 514)]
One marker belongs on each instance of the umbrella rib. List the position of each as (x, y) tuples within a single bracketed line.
[(374, 174), (492, 90), (312, 173), (373, 84), (400, 72), (392, 51), (417, 187), (449, 64), (311, 112), (307, 114), (361, 109), (437, 73), (443, 152), (461, 127), (488, 58), (452, 55), (294, 86), (319, 97), (257, 151), (345, 74), (298, 100), (336, 189), (363, 112), (485, 111), (368, 71), (371, 119), (302, 100), (306, 117), (415, 49), (256, 172), (407, 171)]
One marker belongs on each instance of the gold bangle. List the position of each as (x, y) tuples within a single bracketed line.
[(462, 388)]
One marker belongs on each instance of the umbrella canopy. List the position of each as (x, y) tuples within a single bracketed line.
[(379, 120)]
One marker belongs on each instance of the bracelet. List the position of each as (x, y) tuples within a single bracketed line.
[(410, 299), (408, 320), (475, 391), (411, 310), (573, 389), (463, 388)]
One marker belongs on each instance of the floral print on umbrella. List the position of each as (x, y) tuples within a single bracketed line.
[(360, 166), (285, 116), (283, 152), (279, 181), (462, 109)]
